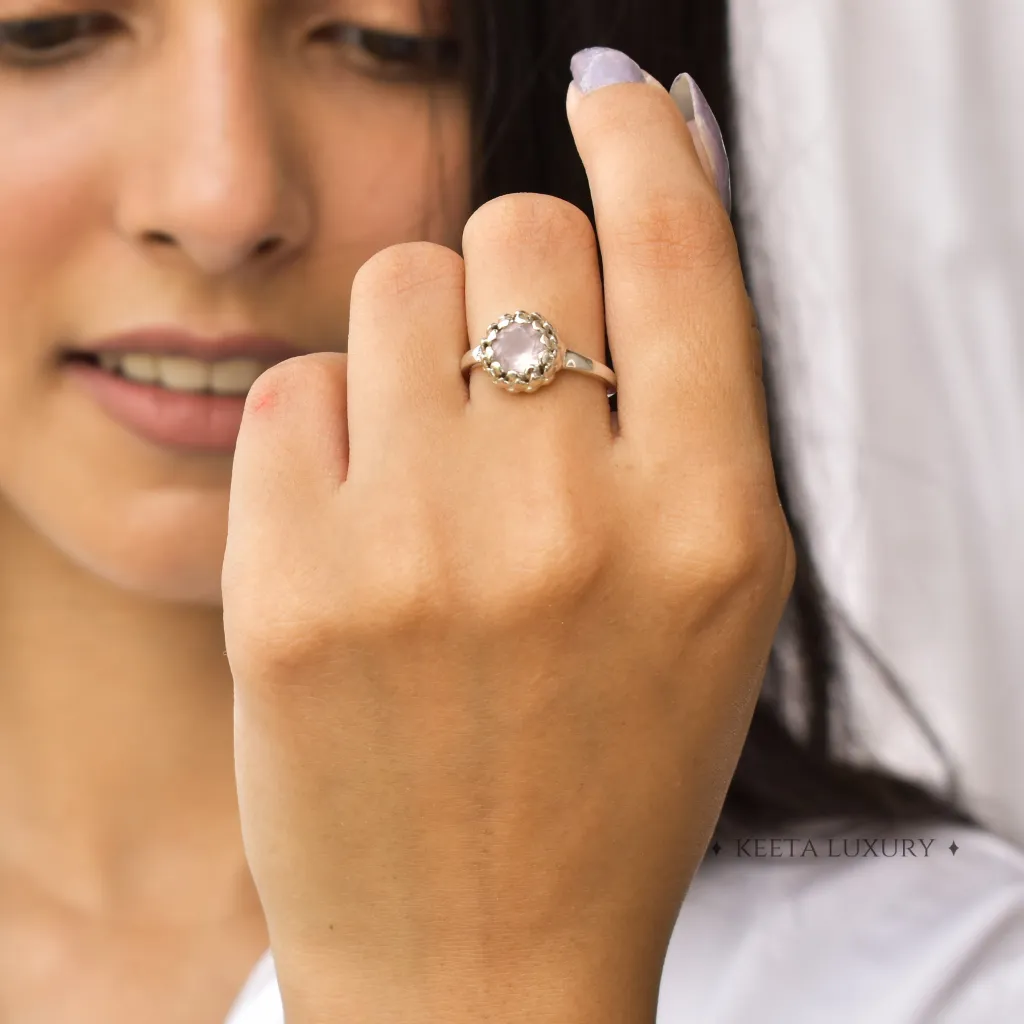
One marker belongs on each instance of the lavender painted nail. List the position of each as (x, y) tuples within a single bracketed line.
[(704, 125), (598, 65)]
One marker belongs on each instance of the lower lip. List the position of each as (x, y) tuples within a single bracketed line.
[(207, 423)]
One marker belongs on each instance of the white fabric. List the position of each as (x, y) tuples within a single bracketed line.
[(929, 937), (884, 147)]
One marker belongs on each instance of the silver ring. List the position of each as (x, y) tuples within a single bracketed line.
[(522, 352)]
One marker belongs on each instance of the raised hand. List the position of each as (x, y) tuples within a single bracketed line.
[(494, 654)]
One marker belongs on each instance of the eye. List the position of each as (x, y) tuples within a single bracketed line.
[(51, 40), (394, 54)]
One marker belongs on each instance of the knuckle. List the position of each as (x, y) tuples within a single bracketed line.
[(409, 266), (735, 558), (404, 579), (280, 642), (555, 565), (533, 581), (725, 555), (751, 553), (399, 598), (530, 219), (295, 641), (305, 375), (667, 233)]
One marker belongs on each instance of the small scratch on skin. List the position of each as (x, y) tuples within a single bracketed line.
[(264, 401)]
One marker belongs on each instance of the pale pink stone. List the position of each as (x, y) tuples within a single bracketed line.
[(518, 347)]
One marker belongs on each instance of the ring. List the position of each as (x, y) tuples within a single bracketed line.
[(522, 352)]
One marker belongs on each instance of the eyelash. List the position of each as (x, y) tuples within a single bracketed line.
[(394, 54)]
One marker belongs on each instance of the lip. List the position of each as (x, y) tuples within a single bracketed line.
[(173, 341), (170, 419), (176, 420)]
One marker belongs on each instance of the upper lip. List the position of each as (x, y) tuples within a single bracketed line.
[(173, 341)]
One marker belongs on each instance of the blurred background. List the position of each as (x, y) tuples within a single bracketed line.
[(884, 157)]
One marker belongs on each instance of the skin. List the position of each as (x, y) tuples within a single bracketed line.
[(487, 714), (125, 893), (345, 576)]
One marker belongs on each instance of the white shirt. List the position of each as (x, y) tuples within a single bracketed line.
[(903, 931)]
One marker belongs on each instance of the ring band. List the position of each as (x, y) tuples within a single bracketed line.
[(522, 352)]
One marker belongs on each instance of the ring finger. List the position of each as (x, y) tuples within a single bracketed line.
[(538, 253)]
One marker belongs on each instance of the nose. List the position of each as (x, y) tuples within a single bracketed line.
[(207, 179)]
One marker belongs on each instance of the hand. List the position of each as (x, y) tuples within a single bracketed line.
[(494, 657)]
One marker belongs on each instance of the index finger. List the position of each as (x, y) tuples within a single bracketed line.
[(676, 305)]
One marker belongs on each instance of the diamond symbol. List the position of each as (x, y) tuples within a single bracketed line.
[(953, 847), (717, 848)]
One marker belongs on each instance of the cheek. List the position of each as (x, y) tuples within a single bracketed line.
[(50, 202), (402, 176), (50, 191), (47, 206)]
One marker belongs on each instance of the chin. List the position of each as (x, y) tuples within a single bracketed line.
[(167, 557), (166, 547), (78, 498), (191, 578)]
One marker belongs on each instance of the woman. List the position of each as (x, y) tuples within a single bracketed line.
[(178, 171)]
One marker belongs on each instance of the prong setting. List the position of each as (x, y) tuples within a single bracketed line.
[(543, 365)]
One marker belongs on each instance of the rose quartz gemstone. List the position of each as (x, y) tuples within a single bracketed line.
[(518, 347)]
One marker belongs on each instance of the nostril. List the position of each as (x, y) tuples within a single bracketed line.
[(263, 248), (268, 245)]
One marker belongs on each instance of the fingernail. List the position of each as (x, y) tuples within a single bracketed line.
[(706, 132), (598, 65)]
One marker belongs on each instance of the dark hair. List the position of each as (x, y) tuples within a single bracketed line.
[(515, 65)]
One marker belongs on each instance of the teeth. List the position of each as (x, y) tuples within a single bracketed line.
[(183, 374), (177, 373), (235, 376), (139, 367)]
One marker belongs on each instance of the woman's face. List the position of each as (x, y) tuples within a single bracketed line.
[(148, 150)]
